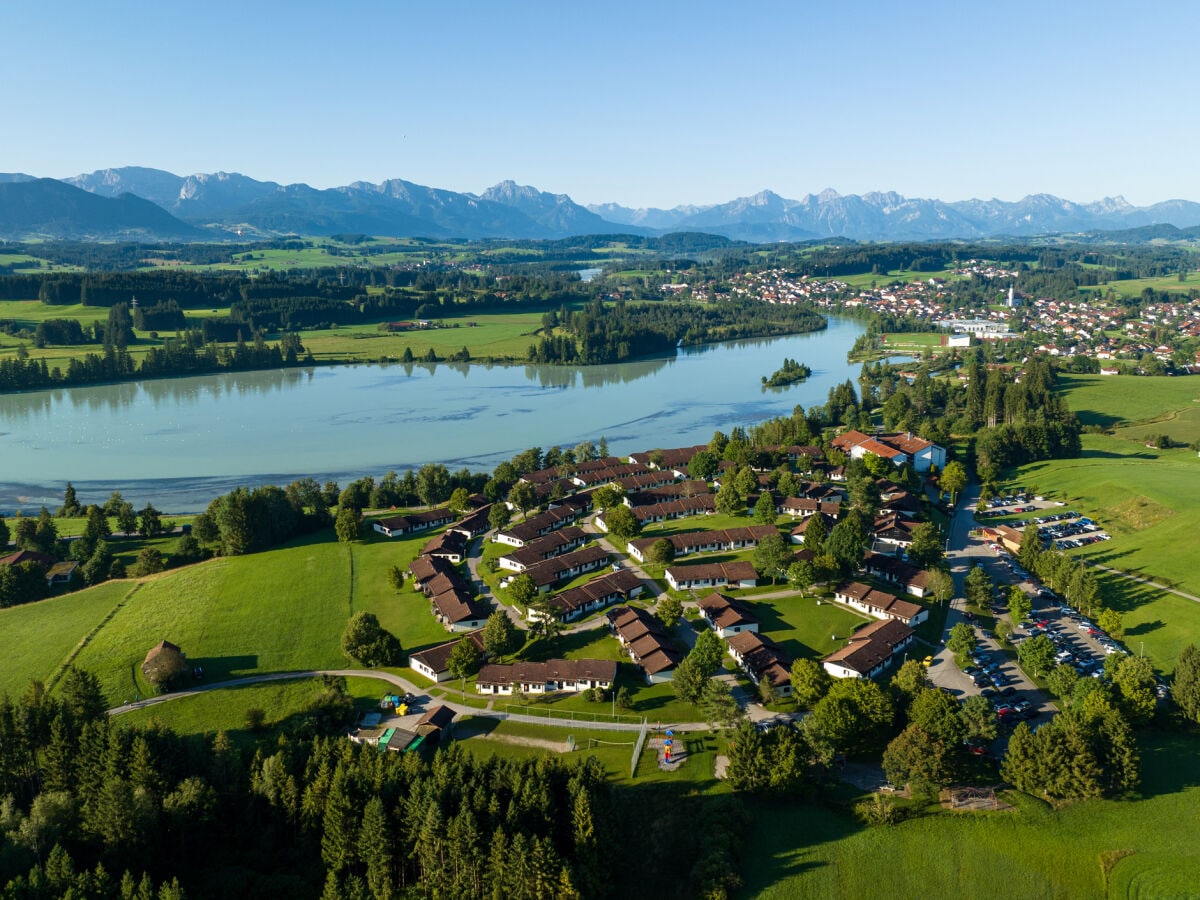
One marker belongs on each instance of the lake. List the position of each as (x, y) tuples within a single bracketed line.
[(180, 442)]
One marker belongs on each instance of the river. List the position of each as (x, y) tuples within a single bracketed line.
[(180, 442)]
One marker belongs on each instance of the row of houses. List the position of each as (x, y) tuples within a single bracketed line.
[(879, 604), (761, 658), (666, 510), (735, 574), (725, 615), (725, 539), (647, 642), (543, 523), (544, 677), (558, 569), (548, 546), (451, 597), (620, 586), (871, 650)]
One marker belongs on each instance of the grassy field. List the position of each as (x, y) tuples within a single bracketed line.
[(801, 627), (1136, 406), (1147, 499), (799, 851), (37, 638), (613, 749), (1133, 287), (225, 710)]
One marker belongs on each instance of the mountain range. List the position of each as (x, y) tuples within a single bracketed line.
[(135, 203)]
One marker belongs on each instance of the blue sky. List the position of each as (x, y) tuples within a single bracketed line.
[(642, 103)]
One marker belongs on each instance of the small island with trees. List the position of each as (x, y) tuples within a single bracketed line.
[(790, 373)]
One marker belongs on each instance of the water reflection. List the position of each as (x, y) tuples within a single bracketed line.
[(272, 426)]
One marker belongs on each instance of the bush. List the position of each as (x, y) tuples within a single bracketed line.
[(878, 811)]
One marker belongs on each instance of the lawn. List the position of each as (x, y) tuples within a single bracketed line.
[(1034, 851), (225, 709), (804, 627), (613, 749), (36, 638)]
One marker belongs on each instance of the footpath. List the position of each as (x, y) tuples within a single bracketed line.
[(408, 687)]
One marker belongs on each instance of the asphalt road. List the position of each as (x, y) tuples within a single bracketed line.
[(964, 551)]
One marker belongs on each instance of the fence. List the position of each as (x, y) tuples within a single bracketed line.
[(637, 748)]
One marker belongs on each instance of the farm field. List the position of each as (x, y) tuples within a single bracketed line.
[(1034, 851), (1133, 287)]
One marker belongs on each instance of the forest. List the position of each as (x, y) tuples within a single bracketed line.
[(90, 808)]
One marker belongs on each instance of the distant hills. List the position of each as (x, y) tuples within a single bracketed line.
[(136, 203)]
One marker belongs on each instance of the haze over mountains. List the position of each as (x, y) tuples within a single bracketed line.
[(135, 203)]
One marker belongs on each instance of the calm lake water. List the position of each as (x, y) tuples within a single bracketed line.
[(180, 442)]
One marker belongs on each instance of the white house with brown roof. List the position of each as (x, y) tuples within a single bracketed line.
[(736, 574), (726, 616), (760, 657), (432, 662), (871, 650), (879, 604), (900, 449), (545, 677)]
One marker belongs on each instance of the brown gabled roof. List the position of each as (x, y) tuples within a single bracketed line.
[(437, 717), (557, 670), (871, 645), (725, 612), (456, 605), (738, 570), (23, 556), (436, 658)]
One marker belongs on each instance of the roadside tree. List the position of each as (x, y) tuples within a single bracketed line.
[(979, 718), (928, 545), (1186, 689), (801, 575), (369, 643), (810, 682), (939, 585), (1019, 604), (953, 480), (961, 640), (1037, 654)]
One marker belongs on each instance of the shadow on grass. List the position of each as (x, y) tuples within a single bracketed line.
[(558, 647), (1145, 627), (220, 668), (1170, 763)]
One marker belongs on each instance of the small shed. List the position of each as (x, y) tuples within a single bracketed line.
[(164, 662)]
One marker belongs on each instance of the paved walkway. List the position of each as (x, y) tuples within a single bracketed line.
[(409, 687)]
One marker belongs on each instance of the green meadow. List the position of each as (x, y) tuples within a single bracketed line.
[(1147, 499), (225, 710), (1098, 848)]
